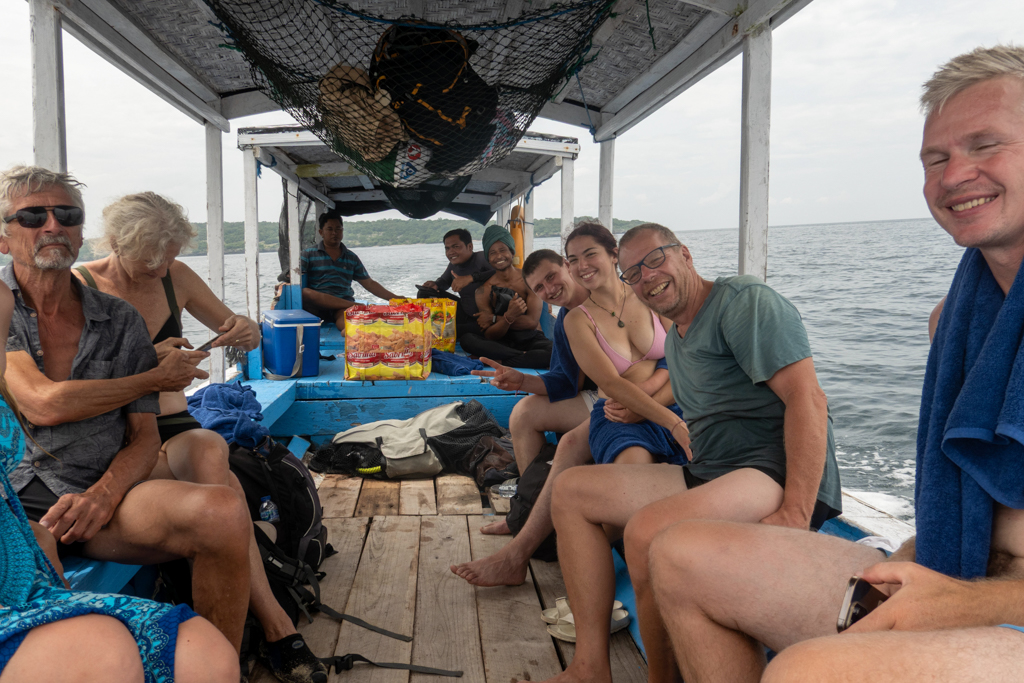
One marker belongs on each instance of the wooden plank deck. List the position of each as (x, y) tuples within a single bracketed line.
[(395, 542)]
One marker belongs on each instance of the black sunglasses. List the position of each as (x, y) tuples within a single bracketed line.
[(655, 258), (35, 216)]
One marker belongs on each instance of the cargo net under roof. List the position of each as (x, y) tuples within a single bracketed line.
[(415, 105)]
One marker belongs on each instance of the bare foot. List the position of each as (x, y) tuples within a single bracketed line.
[(502, 568), (496, 528)]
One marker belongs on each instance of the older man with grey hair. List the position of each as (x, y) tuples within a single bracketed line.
[(955, 607), (85, 374)]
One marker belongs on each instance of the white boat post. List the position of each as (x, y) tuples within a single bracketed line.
[(568, 195), (215, 231), (606, 184), (754, 151), (49, 135), (252, 253), (294, 249)]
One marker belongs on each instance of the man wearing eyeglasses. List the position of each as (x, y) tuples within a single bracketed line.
[(740, 368), (84, 372)]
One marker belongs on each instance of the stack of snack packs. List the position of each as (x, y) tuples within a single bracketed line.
[(442, 320), (387, 342)]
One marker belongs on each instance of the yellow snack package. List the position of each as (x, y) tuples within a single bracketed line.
[(387, 342), (442, 320)]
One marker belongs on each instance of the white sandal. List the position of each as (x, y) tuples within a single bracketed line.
[(561, 610), (565, 629)]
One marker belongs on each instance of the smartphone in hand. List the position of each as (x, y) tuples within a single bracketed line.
[(861, 598), (209, 345)]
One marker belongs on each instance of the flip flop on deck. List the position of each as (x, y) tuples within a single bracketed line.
[(561, 610), (565, 628)]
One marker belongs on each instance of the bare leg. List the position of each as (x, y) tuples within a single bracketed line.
[(88, 649), (164, 520), (760, 496), (731, 585), (634, 455), (507, 567), (201, 456), (203, 655), (527, 425), (613, 494), (978, 655)]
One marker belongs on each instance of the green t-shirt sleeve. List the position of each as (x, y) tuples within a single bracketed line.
[(764, 331)]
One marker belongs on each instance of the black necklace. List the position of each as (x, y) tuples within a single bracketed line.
[(612, 313)]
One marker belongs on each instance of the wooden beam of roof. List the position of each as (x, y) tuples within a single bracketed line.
[(730, 8), (677, 54), (142, 79), (501, 175), (247, 104), (107, 40), (301, 137), (279, 162), (338, 169), (548, 169), (378, 195), (723, 45), (140, 38)]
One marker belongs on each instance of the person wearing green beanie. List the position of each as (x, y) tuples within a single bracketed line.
[(509, 312), (496, 233)]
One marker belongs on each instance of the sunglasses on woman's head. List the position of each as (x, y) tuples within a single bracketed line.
[(35, 216)]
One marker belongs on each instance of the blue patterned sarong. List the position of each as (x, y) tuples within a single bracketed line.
[(31, 593)]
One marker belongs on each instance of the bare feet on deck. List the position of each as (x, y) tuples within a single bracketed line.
[(496, 528), (502, 568)]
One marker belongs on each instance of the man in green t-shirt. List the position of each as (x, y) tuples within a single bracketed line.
[(761, 437)]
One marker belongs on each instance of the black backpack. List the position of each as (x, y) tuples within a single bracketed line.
[(441, 101), (520, 505), (272, 470)]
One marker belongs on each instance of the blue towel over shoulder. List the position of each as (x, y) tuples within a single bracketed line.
[(970, 441), (563, 379)]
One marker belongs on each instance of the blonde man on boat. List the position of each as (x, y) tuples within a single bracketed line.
[(145, 233), (955, 609)]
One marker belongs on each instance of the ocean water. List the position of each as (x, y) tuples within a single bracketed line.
[(865, 291)]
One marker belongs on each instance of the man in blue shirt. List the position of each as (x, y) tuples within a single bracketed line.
[(330, 267)]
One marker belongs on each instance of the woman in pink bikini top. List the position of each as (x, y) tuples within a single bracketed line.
[(617, 340)]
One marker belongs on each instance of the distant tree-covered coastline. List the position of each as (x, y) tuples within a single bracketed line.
[(384, 232)]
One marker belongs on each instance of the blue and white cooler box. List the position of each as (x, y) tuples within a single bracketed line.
[(291, 344)]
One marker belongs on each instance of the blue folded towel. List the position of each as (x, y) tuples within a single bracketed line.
[(232, 411), (608, 439), (970, 441), (448, 363)]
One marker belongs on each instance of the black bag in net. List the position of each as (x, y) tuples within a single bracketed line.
[(440, 99)]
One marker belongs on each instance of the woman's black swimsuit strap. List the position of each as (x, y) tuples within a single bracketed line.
[(171, 328)]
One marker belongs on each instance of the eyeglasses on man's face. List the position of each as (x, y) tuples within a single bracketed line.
[(655, 258), (36, 216)]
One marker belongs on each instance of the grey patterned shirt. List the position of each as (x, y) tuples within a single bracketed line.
[(114, 343)]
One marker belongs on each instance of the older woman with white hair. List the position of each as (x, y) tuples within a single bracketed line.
[(146, 233)]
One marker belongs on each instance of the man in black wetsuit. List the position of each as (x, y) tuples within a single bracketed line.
[(466, 270)]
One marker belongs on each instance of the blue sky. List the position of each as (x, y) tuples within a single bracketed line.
[(845, 124)]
